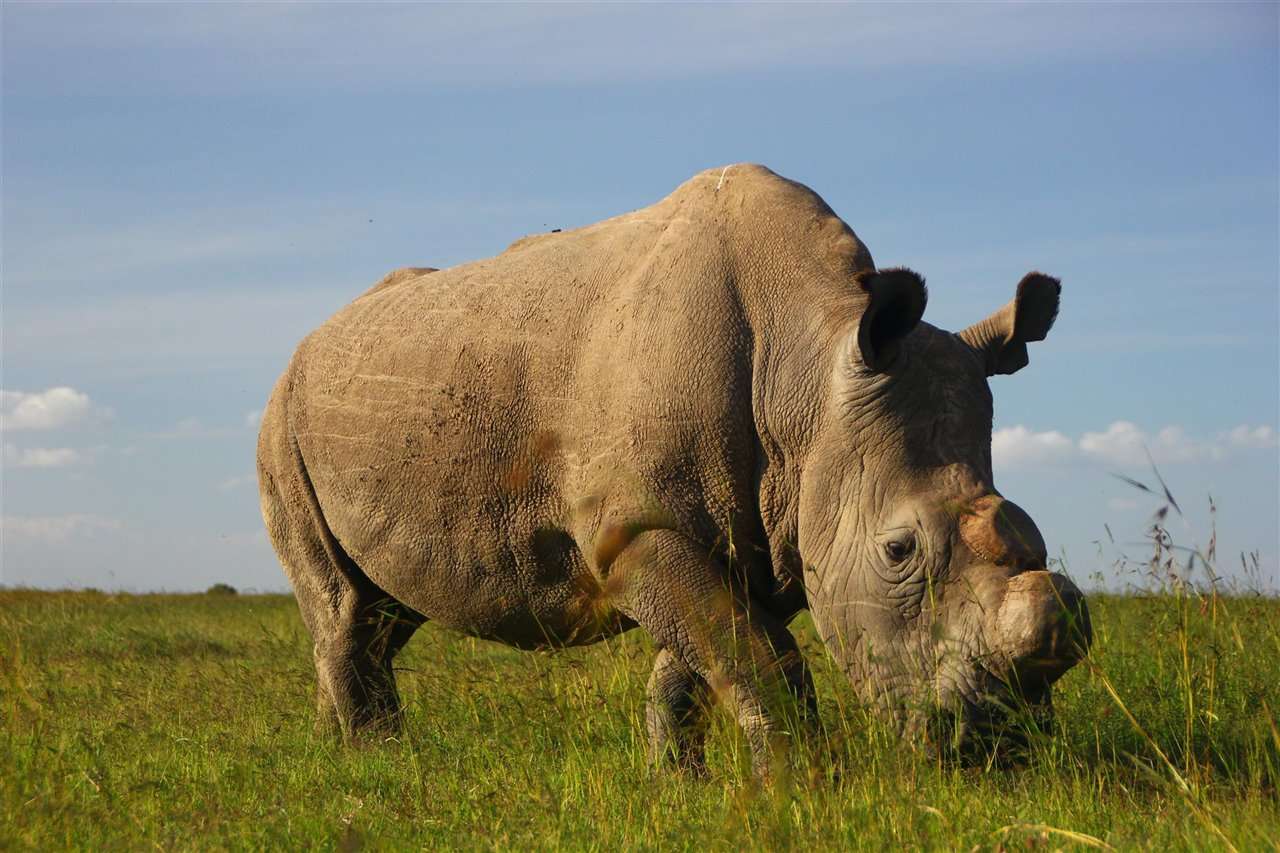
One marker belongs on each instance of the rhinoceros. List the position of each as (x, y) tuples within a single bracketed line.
[(700, 418)]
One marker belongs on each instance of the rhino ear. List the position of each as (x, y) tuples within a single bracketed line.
[(898, 297), (1002, 338)]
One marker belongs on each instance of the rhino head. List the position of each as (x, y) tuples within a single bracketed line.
[(929, 588)]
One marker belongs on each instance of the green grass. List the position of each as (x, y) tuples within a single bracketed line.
[(168, 721)]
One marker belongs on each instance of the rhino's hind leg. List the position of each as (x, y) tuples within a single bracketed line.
[(355, 626), (356, 685), (675, 714)]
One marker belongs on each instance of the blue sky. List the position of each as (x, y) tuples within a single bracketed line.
[(188, 189)]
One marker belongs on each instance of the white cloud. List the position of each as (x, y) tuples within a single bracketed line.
[(1020, 446), (189, 428), (185, 428), (56, 528), (253, 419), (1125, 444), (50, 409), (1173, 444), (1121, 443), (237, 481), (40, 457), (1254, 438)]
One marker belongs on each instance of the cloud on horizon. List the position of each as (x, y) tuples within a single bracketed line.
[(1124, 443), (40, 457), (238, 481), (56, 528)]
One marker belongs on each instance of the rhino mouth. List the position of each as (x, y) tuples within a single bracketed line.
[(973, 718), (987, 721)]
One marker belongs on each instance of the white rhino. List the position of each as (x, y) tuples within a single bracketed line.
[(701, 418)]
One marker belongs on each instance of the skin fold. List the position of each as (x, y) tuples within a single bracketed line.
[(699, 418)]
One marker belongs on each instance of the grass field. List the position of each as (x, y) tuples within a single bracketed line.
[(134, 722)]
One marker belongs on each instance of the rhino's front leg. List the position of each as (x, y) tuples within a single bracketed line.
[(672, 589), (675, 714)]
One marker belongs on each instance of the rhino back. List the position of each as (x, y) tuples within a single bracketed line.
[(478, 437)]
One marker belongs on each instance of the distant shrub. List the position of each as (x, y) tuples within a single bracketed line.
[(221, 589)]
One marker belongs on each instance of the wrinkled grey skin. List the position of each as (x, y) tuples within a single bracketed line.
[(700, 418)]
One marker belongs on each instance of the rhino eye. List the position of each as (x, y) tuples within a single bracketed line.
[(898, 551)]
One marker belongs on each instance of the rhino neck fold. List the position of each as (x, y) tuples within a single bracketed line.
[(788, 421)]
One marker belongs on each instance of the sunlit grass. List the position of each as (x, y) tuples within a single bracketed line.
[(187, 721)]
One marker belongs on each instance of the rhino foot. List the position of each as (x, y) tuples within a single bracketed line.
[(675, 715)]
